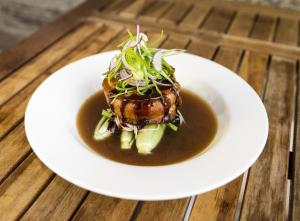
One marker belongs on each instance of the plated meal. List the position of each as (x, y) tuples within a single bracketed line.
[(143, 116), (145, 123)]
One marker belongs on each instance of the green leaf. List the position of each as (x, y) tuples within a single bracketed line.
[(149, 137)]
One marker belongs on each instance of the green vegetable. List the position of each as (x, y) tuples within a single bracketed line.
[(137, 58), (149, 137), (127, 139), (101, 132), (172, 126)]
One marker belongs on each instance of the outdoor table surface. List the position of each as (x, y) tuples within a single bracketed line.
[(261, 44)]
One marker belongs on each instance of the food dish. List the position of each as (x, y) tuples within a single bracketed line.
[(141, 122), (50, 124)]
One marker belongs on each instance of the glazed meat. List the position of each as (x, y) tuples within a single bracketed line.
[(142, 110)]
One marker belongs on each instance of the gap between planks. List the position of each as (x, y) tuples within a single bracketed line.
[(224, 39)]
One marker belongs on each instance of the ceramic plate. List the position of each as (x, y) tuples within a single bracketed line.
[(50, 124)]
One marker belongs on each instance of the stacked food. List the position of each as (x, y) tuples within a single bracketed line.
[(142, 94)]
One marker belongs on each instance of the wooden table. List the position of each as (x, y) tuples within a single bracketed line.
[(259, 43)]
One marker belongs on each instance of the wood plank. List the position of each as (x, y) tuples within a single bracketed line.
[(287, 31), (264, 28), (13, 111), (12, 150), (201, 48), (57, 202), (218, 20), (91, 47), (229, 57), (162, 210), (219, 204), (295, 187), (175, 42), (115, 6), (282, 50), (253, 69), (242, 24), (250, 8), (134, 9), (265, 195), (155, 10), (23, 76), (175, 14), (99, 207), (17, 55), (195, 17), (172, 209), (21, 187)]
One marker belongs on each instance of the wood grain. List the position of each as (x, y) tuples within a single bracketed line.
[(201, 48), (13, 111), (295, 187), (98, 207), (12, 150), (134, 9), (19, 79), (175, 13), (195, 17), (218, 20), (265, 194), (242, 24), (221, 203), (253, 70), (162, 210), (264, 28), (115, 6), (155, 10), (57, 202), (287, 31), (22, 186), (17, 55)]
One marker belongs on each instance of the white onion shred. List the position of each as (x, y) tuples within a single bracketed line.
[(157, 61)]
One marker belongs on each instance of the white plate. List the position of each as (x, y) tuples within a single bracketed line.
[(50, 124)]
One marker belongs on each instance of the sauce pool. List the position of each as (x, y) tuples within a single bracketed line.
[(190, 139)]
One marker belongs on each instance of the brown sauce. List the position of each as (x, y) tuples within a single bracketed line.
[(190, 139)]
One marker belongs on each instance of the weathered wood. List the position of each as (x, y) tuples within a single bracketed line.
[(98, 207), (218, 20), (229, 57), (21, 187), (287, 31), (242, 24), (221, 203), (250, 8), (295, 187), (265, 194), (195, 17), (155, 10), (264, 28), (175, 13), (201, 48), (253, 69), (13, 111), (116, 6), (162, 210), (57, 202), (12, 150), (19, 79), (17, 55), (134, 9), (252, 44)]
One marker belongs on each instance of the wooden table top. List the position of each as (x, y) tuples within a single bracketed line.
[(261, 44)]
